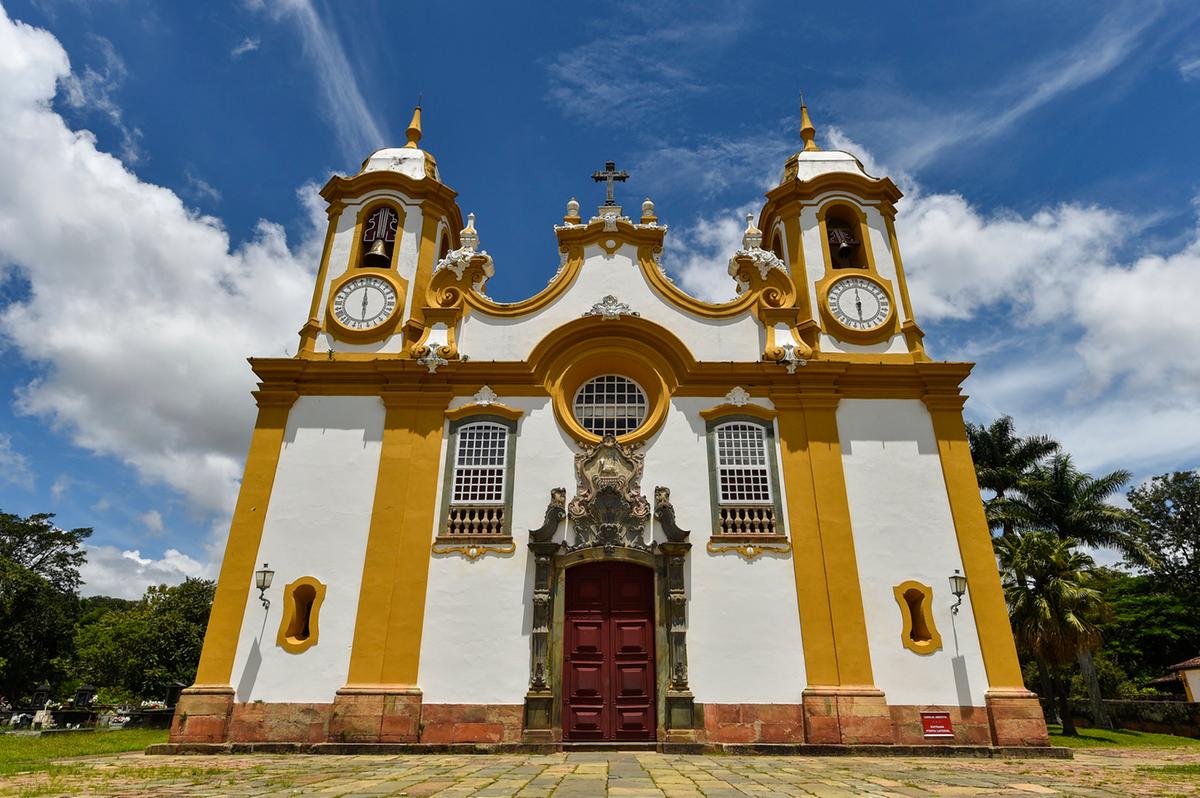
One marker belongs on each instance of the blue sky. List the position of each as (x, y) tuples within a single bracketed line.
[(158, 223)]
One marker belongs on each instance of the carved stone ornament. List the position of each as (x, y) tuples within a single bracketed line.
[(664, 511), (610, 308), (762, 259), (485, 396), (433, 359), (791, 358), (738, 397), (459, 260), (609, 510), (555, 512)]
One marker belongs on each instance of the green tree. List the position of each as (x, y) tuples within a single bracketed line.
[(1151, 625), (154, 642), (1059, 498), (39, 577), (1169, 510), (1047, 585), (1003, 460)]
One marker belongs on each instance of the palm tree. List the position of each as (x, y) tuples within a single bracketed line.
[(1046, 585), (1059, 498), (1003, 460)]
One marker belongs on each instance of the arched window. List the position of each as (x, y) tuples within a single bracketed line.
[(378, 238), (743, 474), (610, 405), (918, 632), (844, 232), (747, 510), (298, 630), (478, 489)]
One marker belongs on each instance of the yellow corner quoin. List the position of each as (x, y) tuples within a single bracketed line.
[(391, 608), (975, 544), (918, 632), (245, 534), (299, 627)]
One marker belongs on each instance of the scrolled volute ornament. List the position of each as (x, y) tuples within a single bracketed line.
[(664, 511), (556, 511)]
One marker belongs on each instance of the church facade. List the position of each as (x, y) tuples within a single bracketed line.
[(611, 512)]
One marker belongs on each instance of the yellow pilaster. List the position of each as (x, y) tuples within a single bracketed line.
[(391, 608), (826, 569), (426, 256), (308, 333), (975, 544), (245, 533)]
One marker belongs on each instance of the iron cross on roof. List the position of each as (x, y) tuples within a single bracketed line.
[(610, 174)]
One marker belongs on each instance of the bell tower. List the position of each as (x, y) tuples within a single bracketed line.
[(834, 225), (389, 224)]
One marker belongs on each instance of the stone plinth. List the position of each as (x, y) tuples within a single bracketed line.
[(376, 715)]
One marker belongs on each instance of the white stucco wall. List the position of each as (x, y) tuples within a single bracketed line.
[(744, 641), (1193, 681), (903, 530), (316, 525), (485, 337)]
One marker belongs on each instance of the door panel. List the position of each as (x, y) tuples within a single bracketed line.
[(608, 673)]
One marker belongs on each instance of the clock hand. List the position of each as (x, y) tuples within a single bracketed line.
[(858, 304), (364, 310)]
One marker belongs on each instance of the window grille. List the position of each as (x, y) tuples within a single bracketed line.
[(742, 468), (610, 405), (479, 464)]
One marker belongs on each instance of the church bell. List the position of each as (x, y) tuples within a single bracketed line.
[(377, 255)]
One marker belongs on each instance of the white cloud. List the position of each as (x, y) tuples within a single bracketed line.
[(619, 77), (357, 129), (59, 488), (93, 90), (198, 189), (698, 254), (1189, 68), (102, 504), (14, 466), (109, 571), (152, 520), (140, 314), (247, 45)]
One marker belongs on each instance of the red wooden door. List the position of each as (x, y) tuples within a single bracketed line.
[(608, 673)]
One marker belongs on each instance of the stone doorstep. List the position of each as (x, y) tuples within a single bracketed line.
[(764, 749)]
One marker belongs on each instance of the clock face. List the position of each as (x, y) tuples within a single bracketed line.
[(859, 304), (364, 302)]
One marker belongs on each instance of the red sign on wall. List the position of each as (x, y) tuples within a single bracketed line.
[(936, 724)]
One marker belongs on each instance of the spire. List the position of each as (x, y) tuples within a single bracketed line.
[(807, 132), (414, 128)]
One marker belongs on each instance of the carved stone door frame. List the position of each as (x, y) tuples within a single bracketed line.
[(674, 702)]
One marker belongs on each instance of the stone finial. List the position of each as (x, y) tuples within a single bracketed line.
[(469, 236), (572, 216), (648, 216), (752, 238)]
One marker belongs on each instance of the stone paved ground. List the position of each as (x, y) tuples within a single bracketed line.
[(1141, 772)]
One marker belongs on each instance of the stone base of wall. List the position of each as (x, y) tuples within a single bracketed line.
[(847, 716), (471, 723), (752, 723), (1016, 718), (202, 715), (826, 717)]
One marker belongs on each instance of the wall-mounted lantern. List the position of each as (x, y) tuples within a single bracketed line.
[(958, 586), (262, 580)]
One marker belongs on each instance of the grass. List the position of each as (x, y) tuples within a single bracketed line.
[(1119, 738), (22, 753)]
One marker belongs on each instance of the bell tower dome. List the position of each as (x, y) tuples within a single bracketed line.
[(388, 225)]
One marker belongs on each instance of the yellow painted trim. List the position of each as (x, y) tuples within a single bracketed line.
[(473, 550), (426, 260), (893, 242), (308, 333), (890, 325), (622, 362), (379, 331), (751, 409), (289, 643), (245, 534), (934, 643), (391, 605), (827, 586), (750, 549), (356, 243), (504, 411), (975, 544)]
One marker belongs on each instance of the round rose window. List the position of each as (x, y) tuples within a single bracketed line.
[(610, 405)]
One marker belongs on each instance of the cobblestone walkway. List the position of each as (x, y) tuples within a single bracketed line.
[(1145, 772)]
